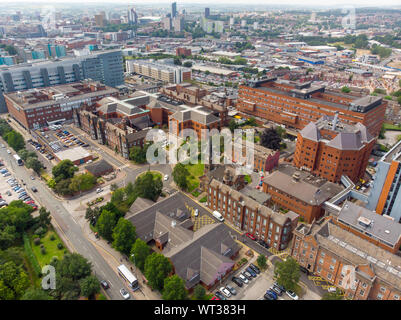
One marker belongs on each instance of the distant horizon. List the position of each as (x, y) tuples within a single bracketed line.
[(290, 3)]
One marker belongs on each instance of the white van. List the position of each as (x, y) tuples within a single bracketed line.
[(218, 216)]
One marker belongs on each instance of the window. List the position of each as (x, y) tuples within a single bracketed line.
[(396, 297), (322, 254), (364, 285), (333, 260), (383, 289), (329, 276), (319, 269), (331, 267), (320, 261), (379, 296), (362, 292)]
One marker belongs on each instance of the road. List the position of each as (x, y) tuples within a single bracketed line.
[(68, 226)]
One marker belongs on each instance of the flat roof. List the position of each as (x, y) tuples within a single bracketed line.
[(214, 70), (73, 154)]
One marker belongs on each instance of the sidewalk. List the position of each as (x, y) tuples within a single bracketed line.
[(114, 259)]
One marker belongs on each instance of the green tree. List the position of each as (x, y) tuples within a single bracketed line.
[(180, 176), (199, 292), (73, 266), (118, 196), (25, 154), (34, 164), (174, 289), (63, 187), (138, 154), (113, 187), (345, 89), (89, 286), (64, 170), (287, 273), (13, 281), (261, 261), (106, 223), (157, 268), (270, 139), (141, 251), (44, 218), (36, 294), (124, 236), (149, 186), (188, 64), (15, 140), (232, 125), (92, 214), (82, 182)]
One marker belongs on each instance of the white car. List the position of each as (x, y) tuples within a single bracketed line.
[(8, 151), (125, 294), (166, 177), (332, 289), (196, 212), (292, 295), (2, 145), (226, 292), (243, 278), (98, 190)]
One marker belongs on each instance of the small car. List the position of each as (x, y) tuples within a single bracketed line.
[(104, 284), (247, 275), (253, 273), (8, 151), (196, 212), (166, 177), (272, 294), (34, 189), (268, 297), (214, 298), (250, 236), (32, 178), (254, 268), (292, 295), (219, 295), (243, 278), (231, 289), (237, 281), (125, 294), (276, 290), (226, 292)]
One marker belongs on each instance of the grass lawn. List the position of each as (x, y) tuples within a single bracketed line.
[(388, 126), (154, 173), (50, 246), (195, 171)]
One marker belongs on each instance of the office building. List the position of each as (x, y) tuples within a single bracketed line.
[(173, 9), (207, 12), (330, 149), (105, 67), (248, 215), (385, 194), (297, 104), (159, 71), (358, 240), (178, 24), (299, 191), (167, 23), (35, 108)]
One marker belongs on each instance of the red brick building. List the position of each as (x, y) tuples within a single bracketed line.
[(342, 251), (250, 216), (183, 52), (35, 108), (297, 104), (331, 149)]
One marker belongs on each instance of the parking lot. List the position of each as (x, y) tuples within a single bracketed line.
[(13, 188), (256, 287), (54, 139)]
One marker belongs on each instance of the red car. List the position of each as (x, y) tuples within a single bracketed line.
[(250, 236), (214, 298), (30, 202)]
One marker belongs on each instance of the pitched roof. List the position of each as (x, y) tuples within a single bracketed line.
[(311, 132), (347, 141)]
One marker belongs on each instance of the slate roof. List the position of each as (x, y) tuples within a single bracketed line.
[(99, 167)]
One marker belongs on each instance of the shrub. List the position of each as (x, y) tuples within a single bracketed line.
[(204, 199), (52, 237), (59, 246), (43, 250), (40, 231), (36, 241)]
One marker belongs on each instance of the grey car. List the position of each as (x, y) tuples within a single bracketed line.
[(231, 289)]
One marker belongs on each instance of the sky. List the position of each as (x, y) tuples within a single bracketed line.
[(334, 3)]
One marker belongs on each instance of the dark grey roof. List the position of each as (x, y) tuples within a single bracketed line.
[(99, 167), (311, 132), (346, 141)]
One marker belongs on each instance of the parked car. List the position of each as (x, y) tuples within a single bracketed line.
[(243, 278), (104, 284), (7, 174), (8, 192), (214, 298), (226, 292), (3, 204), (237, 281), (196, 212), (247, 275), (34, 189), (8, 151), (250, 236), (292, 295), (268, 297), (32, 178), (20, 190), (166, 177), (280, 287), (263, 244), (124, 294), (272, 294), (303, 269), (253, 273), (219, 295), (332, 289), (231, 289), (98, 190), (276, 290), (254, 268)]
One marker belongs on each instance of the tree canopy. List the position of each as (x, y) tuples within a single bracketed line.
[(174, 289), (124, 236), (141, 251), (64, 170), (180, 175), (270, 139), (287, 273), (157, 268)]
